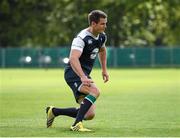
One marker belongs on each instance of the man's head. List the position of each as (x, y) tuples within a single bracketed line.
[(97, 19), (95, 15)]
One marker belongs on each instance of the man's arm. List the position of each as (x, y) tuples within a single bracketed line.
[(74, 61), (76, 66), (103, 62)]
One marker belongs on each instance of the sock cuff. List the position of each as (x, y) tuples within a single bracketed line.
[(90, 98)]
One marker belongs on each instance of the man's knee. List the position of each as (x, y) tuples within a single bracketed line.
[(95, 92)]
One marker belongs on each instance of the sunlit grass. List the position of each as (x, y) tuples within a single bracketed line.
[(139, 102)]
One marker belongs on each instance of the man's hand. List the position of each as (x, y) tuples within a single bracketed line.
[(86, 81), (105, 76)]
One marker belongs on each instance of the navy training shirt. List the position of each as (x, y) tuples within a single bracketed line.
[(89, 45)]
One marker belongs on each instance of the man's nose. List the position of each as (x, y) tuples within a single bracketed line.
[(105, 26)]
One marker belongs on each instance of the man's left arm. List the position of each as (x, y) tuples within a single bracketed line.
[(103, 62)]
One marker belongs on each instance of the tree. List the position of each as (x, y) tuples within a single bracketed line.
[(23, 22), (33, 23)]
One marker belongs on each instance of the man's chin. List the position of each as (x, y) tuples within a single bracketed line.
[(101, 31)]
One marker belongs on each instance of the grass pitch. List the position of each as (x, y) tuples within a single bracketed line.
[(135, 102)]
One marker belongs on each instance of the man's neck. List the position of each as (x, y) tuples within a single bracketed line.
[(90, 29)]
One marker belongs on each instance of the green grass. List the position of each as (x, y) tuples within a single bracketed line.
[(135, 102)]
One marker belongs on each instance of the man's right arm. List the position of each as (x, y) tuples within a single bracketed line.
[(74, 62), (76, 51)]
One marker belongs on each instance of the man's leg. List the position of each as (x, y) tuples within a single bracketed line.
[(71, 112), (53, 112), (90, 113), (92, 94)]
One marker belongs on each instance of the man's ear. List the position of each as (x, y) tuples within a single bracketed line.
[(93, 23)]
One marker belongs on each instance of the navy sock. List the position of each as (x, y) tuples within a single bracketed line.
[(85, 105), (72, 112)]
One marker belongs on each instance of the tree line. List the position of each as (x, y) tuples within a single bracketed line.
[(52, 23)]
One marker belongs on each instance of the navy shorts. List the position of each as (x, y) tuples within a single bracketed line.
[(74, 83), (75, 86)]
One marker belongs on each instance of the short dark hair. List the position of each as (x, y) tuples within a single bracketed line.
[(95, 15)]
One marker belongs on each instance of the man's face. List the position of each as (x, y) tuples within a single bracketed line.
[(100, 26)]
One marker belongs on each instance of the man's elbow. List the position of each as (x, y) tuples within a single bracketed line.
[(72, 59)]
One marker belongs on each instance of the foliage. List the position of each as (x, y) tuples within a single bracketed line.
[(55, 22)]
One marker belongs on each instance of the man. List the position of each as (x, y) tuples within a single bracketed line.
[(85, 47)]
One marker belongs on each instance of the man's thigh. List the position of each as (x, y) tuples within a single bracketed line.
[(75, 89)]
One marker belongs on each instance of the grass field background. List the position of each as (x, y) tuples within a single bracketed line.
[(135, 102)]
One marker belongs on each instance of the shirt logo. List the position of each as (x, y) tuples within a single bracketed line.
[(96, 50), (75, 84), (89, 41), (94, 53)]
